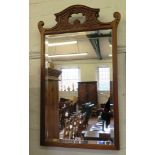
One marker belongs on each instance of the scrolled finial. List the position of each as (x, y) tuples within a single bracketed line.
[(40, 25), (117, 16)]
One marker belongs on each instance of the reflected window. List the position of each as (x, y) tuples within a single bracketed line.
[(69, 79), (103, 78)]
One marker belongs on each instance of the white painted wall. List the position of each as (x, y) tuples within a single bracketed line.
[(44, 10), (87, 67)]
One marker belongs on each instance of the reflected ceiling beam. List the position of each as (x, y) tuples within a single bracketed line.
[(96, 45), (98, 35), (94, 40)]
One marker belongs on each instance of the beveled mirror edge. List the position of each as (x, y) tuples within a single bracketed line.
[(60, 28)]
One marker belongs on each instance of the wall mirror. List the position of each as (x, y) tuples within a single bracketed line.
[(79, 96)]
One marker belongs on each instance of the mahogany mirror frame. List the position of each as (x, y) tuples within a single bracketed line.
[(63, 26)]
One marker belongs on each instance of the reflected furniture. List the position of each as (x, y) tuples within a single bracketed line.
[(66, 109), (51, 104), (87, 92)]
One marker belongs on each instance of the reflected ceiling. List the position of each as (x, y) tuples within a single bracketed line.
[(97, 45)]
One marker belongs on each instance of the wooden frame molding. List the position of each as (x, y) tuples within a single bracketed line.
[(63, 25), (91, 23)]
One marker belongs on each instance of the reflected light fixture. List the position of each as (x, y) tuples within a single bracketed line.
[(110, 55), (66, 55), (61, 43)]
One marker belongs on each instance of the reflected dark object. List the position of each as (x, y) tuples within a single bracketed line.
[(105, 113)]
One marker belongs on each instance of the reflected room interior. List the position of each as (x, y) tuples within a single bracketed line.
[(81, 64)]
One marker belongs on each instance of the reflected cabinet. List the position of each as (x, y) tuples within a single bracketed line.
[(87, 92), (79, 87)]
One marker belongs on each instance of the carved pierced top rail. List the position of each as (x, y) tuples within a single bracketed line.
[(90, 14), (91, 21)]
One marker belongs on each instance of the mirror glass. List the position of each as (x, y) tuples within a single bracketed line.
[(83, 64)]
